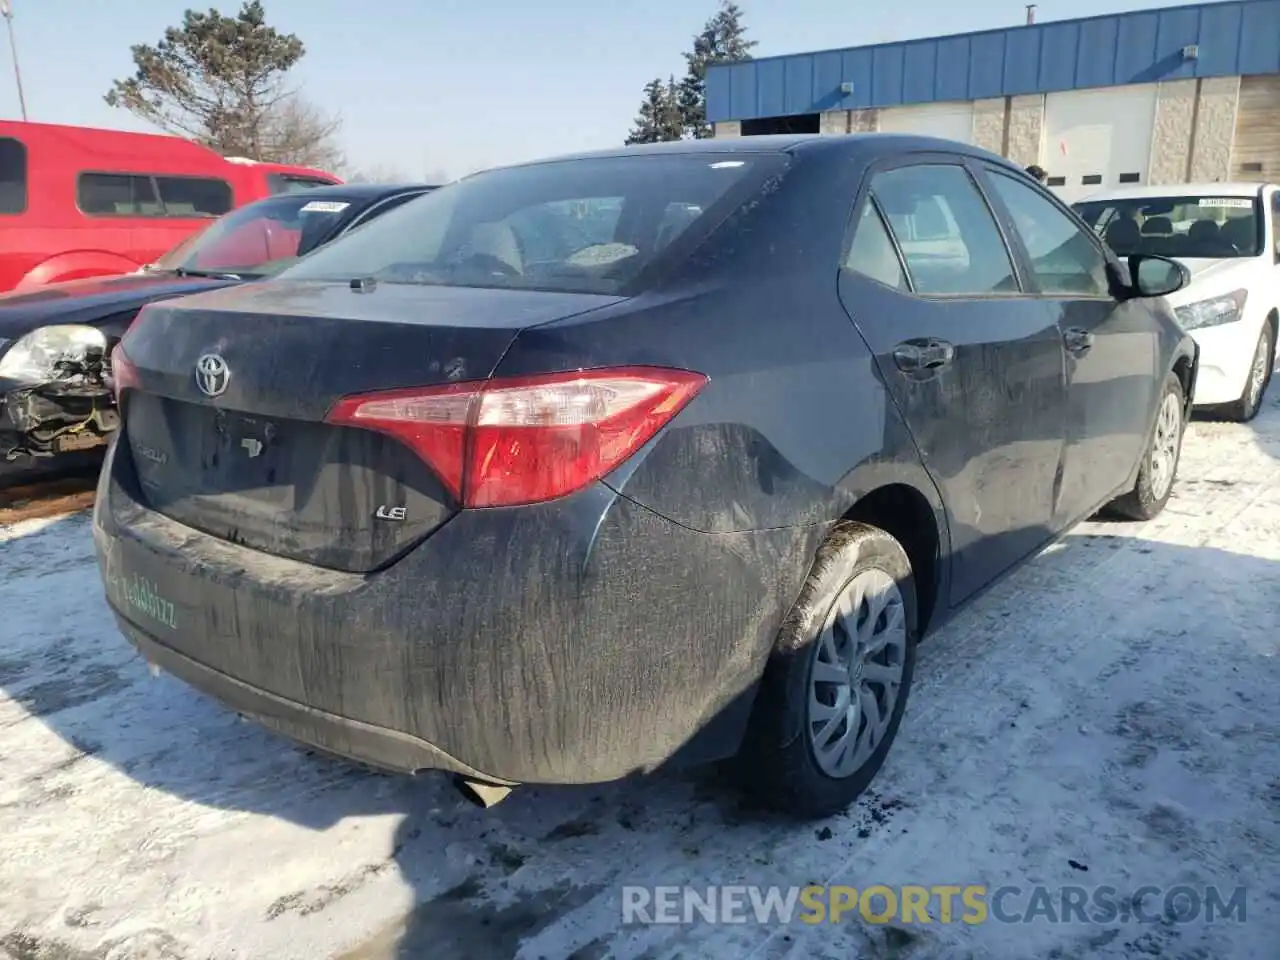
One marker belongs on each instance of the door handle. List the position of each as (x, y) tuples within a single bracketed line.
[(1077, 340), (923, 356)]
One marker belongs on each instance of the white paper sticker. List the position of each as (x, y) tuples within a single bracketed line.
[(1243, 203), (325, 206)]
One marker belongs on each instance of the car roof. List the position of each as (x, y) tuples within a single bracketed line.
[(783, 143), (1234, 188), (357, 191)]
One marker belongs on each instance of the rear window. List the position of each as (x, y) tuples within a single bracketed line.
[(1211, 227), (590, 225), (146, 195), (13, 176)]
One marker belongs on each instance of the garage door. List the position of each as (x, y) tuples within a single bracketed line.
[(1256, 152), (951, 121), (1095, 139)]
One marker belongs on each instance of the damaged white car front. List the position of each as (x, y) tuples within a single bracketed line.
[(55, 392)]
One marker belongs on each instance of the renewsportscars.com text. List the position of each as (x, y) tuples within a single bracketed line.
[(939, 903)]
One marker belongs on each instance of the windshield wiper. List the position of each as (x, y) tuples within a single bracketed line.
[(205, 274)]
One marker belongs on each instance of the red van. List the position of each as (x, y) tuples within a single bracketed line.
[(79, 202)]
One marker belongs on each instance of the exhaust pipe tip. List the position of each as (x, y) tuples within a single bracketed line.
[(484, 795)]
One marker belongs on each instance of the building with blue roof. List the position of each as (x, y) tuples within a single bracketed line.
[(1172, 95)]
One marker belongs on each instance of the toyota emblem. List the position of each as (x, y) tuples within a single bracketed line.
[(212, 375)]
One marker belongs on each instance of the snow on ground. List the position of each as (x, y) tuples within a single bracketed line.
[(1107, 716)]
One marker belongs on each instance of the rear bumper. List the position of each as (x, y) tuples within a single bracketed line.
[(571, 642), (377, 746)]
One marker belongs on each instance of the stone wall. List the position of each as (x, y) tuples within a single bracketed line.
[(1215, 129), (1171, 131), (834, 121), (1025, 129), (988, 124)]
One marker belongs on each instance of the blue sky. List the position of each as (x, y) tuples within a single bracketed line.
[(443, 86)]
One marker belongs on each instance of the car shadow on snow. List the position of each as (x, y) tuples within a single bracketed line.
[(541, 874)]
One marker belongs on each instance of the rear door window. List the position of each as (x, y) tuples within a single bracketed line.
[(13, 176), (947, 234), (144, 195), (871, 252), (194, 196), (1064, 260), (117, 195)]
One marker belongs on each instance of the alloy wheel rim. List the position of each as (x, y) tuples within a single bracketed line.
[(856, 673), (1164, 445)]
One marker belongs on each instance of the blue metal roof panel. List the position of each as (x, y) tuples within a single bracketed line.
[(1239, 37)]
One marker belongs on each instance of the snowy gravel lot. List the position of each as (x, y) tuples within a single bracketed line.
[(1108, 715)]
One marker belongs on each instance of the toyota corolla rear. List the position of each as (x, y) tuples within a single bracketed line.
[(337, 504)]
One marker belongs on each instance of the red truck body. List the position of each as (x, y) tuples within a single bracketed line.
[(81, 202)]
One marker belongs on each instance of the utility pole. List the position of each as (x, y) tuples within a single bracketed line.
[(6, 11)]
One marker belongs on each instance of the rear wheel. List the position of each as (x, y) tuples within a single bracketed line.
[(1160, 461), (834, 691), (1264, 357)]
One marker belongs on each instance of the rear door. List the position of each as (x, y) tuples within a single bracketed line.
[(1112, 348), (975, 367)]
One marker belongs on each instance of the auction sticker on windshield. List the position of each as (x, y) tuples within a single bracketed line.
[(1242, 203), (324, 206)]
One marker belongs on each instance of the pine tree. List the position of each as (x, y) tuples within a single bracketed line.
[(672, 125), (659, 117), (648, 124), (723, 39)]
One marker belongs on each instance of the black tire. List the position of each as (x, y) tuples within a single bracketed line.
[(1250, 402), (1143, 503), (777, 765)]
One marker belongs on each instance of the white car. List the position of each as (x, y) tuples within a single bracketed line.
[(1228, 236)]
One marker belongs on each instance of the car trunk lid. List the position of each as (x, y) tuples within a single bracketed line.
[(227, 423)]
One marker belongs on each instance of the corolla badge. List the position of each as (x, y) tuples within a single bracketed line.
[(212, 375)]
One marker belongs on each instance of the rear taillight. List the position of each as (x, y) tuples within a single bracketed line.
[(124, 375), (522, 440)]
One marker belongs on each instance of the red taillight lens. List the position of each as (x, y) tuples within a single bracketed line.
[(124, 375), (527, 439)]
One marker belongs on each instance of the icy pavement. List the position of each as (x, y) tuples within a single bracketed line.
[(1110, 715)]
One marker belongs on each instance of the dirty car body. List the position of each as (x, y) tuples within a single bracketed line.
[(56, 404), (522, 481)]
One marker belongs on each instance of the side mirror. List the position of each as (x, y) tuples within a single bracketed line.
[(1154, 276)]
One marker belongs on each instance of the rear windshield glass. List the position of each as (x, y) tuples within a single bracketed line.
[(589, 225), (259, 239), (1177, 226)]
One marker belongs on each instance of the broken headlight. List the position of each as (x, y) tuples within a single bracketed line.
[(1213, 312), (43, 353)]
